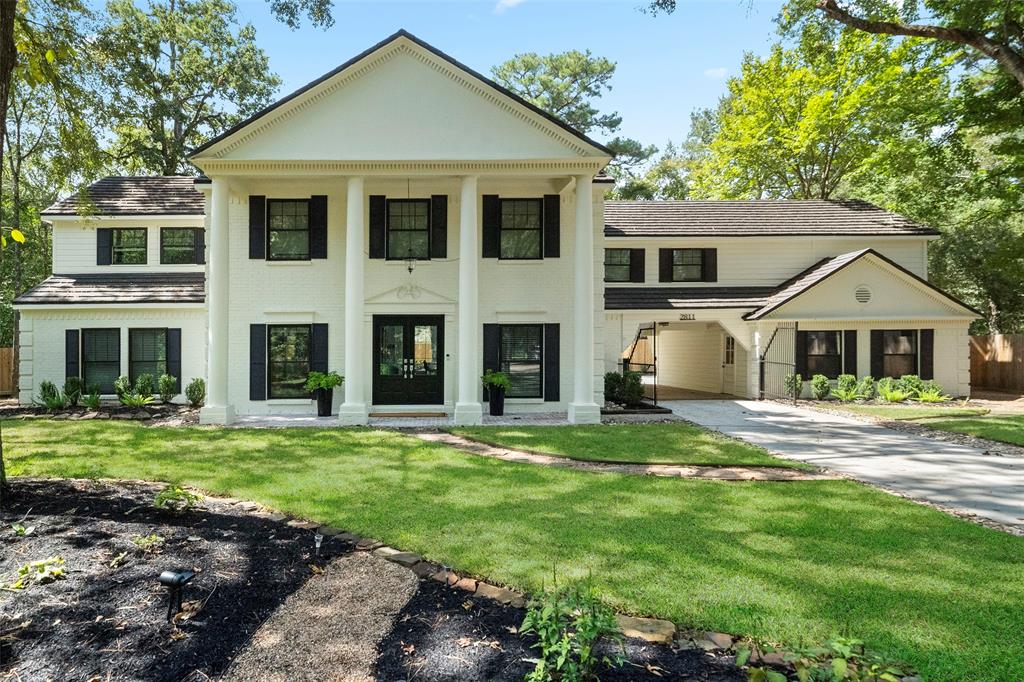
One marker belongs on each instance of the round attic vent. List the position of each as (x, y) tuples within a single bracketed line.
[(862, 294)]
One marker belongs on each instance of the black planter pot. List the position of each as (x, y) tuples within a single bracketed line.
[(497, 400), (324, 399)]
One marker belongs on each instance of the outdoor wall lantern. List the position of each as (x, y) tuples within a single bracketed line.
[(410, 264), (175, 582)]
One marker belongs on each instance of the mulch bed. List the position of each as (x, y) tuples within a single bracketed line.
[(107, 619), (108, 622), (445, 634)]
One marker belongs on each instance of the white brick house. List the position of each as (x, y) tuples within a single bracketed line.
[(407, 222)]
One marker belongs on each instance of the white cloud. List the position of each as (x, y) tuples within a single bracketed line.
[(717, 72), (506, 5)]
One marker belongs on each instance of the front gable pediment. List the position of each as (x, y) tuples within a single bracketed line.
[(400, 101)]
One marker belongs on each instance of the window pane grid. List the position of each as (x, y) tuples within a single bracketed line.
[(899, 352), (288, 229), (101, 358), (687, 265), (408, 229), (288, 356), (823, 353), (521, 353), (616, 265), (128, 246), (178, 245), (147, 353), (520, 229)]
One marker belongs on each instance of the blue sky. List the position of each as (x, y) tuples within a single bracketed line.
[(667, 65)]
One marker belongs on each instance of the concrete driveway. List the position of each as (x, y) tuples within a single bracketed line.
[(954, 476)]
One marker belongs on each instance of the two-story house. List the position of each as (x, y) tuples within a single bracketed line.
[(409, 223)]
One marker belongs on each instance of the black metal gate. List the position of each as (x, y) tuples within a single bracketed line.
[(777, 361), (645, 363)]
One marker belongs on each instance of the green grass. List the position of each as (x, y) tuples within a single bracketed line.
[(911, 412), (789, 562), (1007, 428), (675, 443)]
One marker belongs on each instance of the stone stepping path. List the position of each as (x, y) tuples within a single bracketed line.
[(712, 473)]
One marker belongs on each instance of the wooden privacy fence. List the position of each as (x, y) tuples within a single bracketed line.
[(997, 362), (6, 371)]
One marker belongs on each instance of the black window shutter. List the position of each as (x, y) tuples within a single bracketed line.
[(200, 244), (552, 225), (552, 382), (877, 364), (927, 351), (710, 261), (378, 225), (318, 226), (104, 244), (636, 265), (439, 226), (257, 226), (491, 226), (318, 349), (71, 354), (664, 265), (492, 349), (174, 357), (850, 351), (801, 354), (257, 362)]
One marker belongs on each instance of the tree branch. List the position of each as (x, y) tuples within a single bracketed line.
[(1005, 55)]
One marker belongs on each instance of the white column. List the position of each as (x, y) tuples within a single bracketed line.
[(468, 409), (217, 410), (583, 409), (353, 411)]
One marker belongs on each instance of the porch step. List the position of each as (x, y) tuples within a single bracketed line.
[(408, 415)]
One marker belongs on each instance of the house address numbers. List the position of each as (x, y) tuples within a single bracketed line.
[(687, 316)]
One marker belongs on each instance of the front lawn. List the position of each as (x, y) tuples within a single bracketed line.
[(1007, 428), (909, 412), (790, 562), (673, 443)]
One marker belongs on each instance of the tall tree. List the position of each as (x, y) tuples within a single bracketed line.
[(567, 85), (178, 72), (798, 121)]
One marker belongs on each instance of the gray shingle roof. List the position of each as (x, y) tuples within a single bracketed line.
[(91, 289), (754, 218), (133, 195), (667, 298)]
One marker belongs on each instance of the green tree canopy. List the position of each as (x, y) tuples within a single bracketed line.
[(178, 72)]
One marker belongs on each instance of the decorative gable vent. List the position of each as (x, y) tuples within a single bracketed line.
[(862, 294)]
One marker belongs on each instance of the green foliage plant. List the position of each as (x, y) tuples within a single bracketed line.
[(892, 391), (492, 379), (136, 400), (570, 623), (38, 573), (195, 392), (625, 388), (820, 386), (73, 390), (148, 544), (866, 387), (122, 386), (911, 384), (47, 390), (167, 387), (325, 380), (91, 400), (794, 385), (846, 388), (144, 384), (176, 498)]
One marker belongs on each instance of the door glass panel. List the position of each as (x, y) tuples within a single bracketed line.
[(391, 351), (424, 350)]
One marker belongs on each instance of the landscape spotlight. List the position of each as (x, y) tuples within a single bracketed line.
[(175, 581)]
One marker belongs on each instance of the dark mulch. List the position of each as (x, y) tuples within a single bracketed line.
[(444, 634), (110, 623)]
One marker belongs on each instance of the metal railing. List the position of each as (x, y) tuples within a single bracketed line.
[(777, 362)]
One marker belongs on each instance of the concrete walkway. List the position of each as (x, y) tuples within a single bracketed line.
[(950, 475)]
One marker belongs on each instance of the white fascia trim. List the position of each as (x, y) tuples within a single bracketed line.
[(130, 217), (109, 306), (773, 237)]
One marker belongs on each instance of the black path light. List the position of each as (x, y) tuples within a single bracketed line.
[(318, 540), (175, 582)]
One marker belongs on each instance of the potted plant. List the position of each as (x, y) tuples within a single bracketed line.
[(321, 385), (496, 384)]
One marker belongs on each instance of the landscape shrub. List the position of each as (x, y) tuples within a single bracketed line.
[(841, 659), (122, 386), (47, 389), (846, 388), (195, 392), (175, 498), (892, 391), (931, 392), (866, 387), (73, 389), (167, 387), (820, 386), (144, 384), (50, 398), (91, 400), (570, 623), (624, 388), (136, 400), (911, 384), (793, 385), (612, 386)]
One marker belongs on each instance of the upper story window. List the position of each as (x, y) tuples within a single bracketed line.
[(687, 265), (617, 265), (128, 246), (287, 229), (408, 229), (521, 229), (178, 245)]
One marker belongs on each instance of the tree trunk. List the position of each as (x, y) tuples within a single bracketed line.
[(8, 60)]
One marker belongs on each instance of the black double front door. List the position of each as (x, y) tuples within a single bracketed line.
[(408, 359)]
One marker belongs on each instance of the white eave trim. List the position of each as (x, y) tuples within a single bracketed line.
[(129, 217), (109, 306)]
